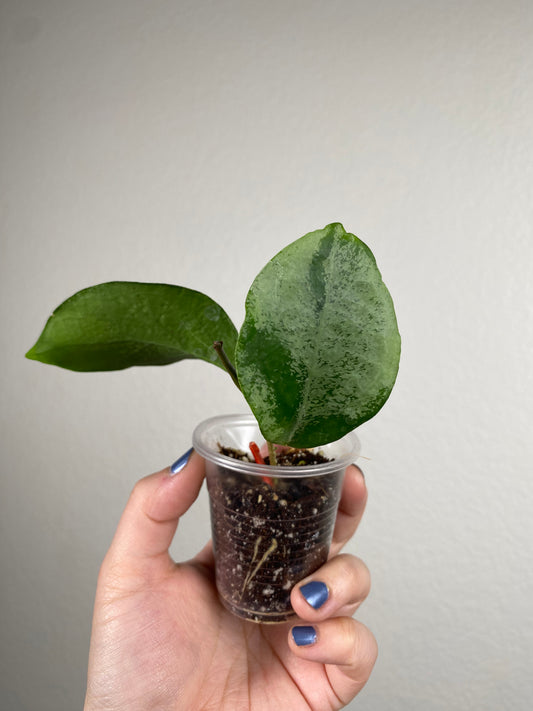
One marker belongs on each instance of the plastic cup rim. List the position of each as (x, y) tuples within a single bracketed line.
[(261, 470)]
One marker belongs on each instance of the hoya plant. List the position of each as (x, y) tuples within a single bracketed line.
[(316, 356)]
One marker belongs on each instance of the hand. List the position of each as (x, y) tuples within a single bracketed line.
[(162, 640)]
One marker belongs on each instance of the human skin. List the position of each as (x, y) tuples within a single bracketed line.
[(161, 640)]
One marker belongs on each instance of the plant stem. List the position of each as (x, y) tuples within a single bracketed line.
[(228, 365), (254, 449), (272, 454)]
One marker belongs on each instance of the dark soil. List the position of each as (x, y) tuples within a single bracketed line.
[(268, 536), (288, 458)]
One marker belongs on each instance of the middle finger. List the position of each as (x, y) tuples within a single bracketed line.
[(336, 589)]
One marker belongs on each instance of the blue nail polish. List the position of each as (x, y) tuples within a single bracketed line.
[(180, 463), (315, 593), (304, 636)]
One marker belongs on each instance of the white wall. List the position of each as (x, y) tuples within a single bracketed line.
[(187, 142)]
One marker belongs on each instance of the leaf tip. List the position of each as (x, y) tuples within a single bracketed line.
[(34, 354), (31, 355)]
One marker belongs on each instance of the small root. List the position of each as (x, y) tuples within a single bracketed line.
[(251, 574)]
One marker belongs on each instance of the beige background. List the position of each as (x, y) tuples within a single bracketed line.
[(187, 142)]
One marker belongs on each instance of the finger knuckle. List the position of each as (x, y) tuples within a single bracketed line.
[(354, 573), (363, 650)]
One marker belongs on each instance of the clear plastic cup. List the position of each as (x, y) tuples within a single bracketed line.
[(271, 526)]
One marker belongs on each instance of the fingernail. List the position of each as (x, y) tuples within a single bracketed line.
[(304, 636), (315, 593), (180, 463)]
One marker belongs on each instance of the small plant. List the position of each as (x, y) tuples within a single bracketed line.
[(316, 356)]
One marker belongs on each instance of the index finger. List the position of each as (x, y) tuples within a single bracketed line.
[(351, 508)]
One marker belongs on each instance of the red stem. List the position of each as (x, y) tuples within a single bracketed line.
[(256, 453), (254, 449)]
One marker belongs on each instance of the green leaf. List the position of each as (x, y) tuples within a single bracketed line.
[(120, 324), (319, 349)]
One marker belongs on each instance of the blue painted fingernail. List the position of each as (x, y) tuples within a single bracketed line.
[(180, 463), (304, 636), (315, 593)]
